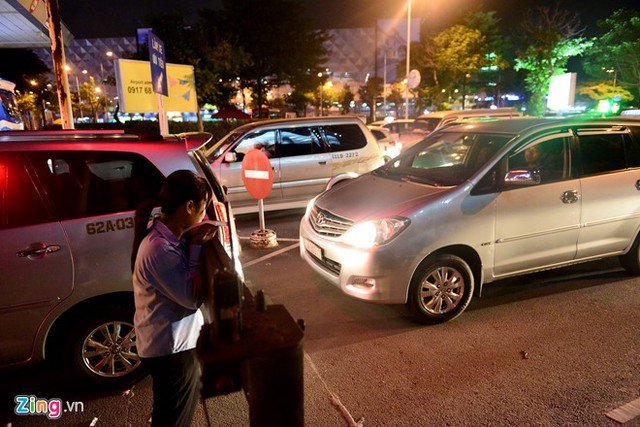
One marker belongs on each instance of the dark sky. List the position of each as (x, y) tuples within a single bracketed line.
[(116, 18)]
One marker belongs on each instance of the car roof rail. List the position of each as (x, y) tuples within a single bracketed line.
[(72, 135), (192, 140)]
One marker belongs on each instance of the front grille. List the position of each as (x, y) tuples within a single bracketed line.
[(328, 224)]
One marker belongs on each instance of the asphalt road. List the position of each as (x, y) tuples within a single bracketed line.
[(558, 348)]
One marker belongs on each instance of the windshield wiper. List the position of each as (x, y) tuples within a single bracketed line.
[(420, 179)]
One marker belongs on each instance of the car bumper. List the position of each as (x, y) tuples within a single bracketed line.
[(379, 274)]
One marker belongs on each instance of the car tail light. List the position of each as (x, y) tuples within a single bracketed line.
[(221, 213)]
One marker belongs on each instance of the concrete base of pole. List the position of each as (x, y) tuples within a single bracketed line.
[(263, 239)]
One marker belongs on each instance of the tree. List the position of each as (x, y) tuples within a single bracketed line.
[(279, 39), (552, 36), (617, 51), (346, 98), (370, 91), (460, 51), (599, 90), (215, 60), (497, 75)]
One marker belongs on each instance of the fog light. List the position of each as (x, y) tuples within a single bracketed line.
[(362, 284)]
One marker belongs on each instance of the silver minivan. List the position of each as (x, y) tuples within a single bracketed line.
[(67, 203), (305, 154), (475, 203)]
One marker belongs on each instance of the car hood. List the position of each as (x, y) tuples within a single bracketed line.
[(374, 196)]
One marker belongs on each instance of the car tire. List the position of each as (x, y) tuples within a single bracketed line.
[(631, 260), (102, 349), (441, 289)]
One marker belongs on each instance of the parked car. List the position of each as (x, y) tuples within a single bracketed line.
[(405, 131), (305, 154), (67, 203), (389, 147), (476, 203), (437, 119)]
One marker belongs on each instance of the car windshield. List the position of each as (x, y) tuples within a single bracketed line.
[(444, 158), (219, 148)]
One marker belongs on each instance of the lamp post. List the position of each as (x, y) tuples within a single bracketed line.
[(321, 94), (68, 70), (406, 106)]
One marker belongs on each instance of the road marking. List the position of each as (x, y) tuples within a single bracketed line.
[(626, 412), (271, 255)]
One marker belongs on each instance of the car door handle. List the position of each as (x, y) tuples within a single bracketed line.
[(38, 248), (638, 185), (570, 196), (322, 162)]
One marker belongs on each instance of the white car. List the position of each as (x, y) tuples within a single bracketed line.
[(306, 154), (389, 147), (66, 231), (405, 131)]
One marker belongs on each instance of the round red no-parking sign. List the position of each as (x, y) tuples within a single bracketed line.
[(257, 175)]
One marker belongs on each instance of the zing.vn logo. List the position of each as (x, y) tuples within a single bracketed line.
[(52, 408)]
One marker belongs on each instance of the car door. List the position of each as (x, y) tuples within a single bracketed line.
[(37, 265), (305, 166), (610, 167), (231, 172), (538, 225)]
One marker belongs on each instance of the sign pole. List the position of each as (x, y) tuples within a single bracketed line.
[(257, 177), (162, 117), (261, 213), (159, 77)]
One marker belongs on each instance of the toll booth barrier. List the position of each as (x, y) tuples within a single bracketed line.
[(251, 346)]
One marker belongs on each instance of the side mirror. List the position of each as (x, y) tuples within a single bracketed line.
[(230, 157), (522, 178)]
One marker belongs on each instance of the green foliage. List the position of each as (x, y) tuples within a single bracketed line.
[(604, 90), (618, 50), (552, 37), (460, 50)]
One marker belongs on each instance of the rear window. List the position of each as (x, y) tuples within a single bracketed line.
[(602, 153), (344, 137), (20, 203), (633, 148)]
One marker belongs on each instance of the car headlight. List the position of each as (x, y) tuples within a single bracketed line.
[(376, 232)]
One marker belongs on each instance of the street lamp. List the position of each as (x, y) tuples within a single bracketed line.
[(615, 74), (68, 70), (321, 86)]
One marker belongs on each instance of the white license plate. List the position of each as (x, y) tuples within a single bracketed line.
[(313, 249)]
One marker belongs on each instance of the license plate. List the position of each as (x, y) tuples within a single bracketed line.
[(313, 249)]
